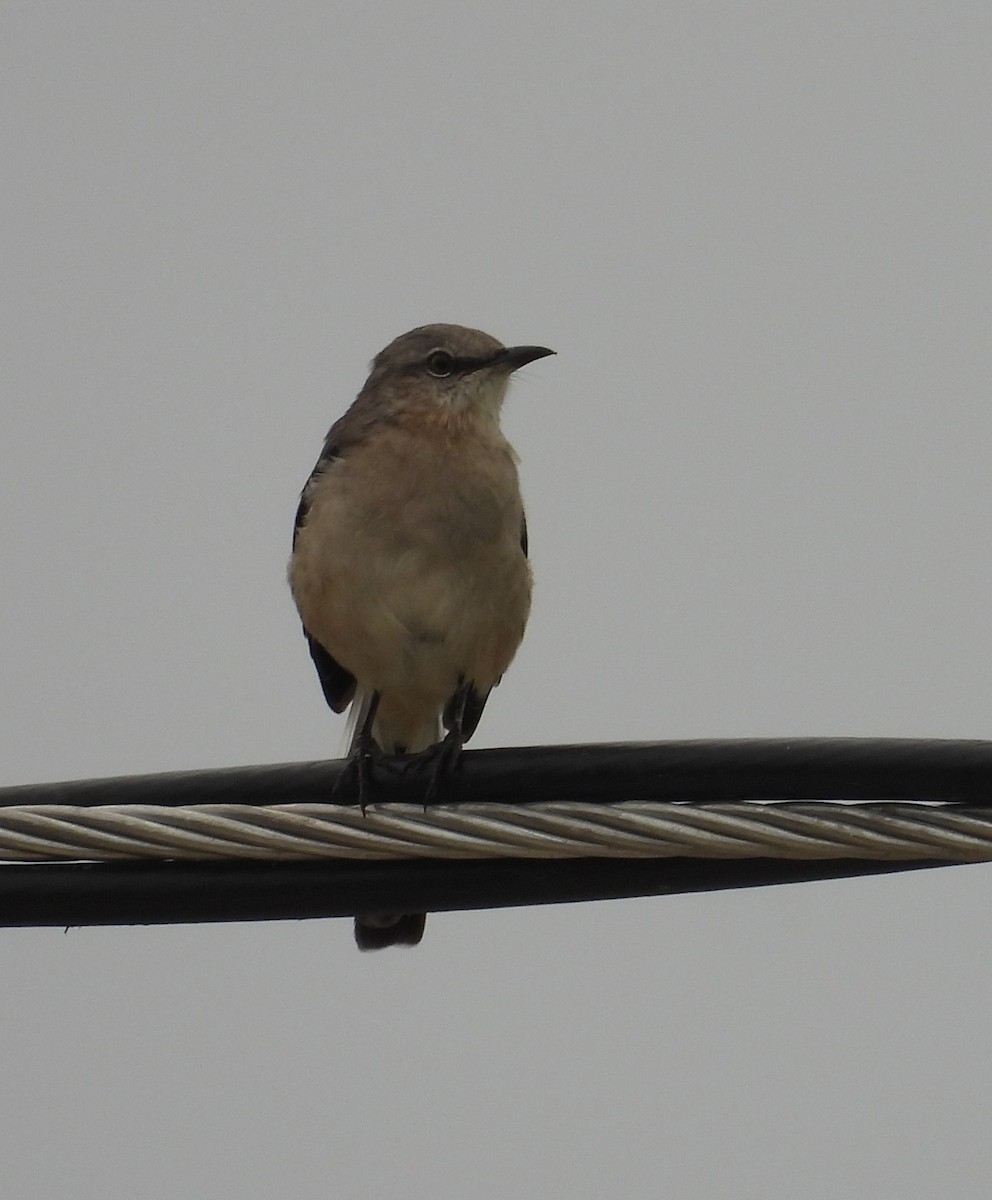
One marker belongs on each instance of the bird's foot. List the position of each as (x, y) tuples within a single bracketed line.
[(397, 764), (444, 759), (357, 775)]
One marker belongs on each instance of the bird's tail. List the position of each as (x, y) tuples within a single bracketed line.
[(356, 719), (373, 931)]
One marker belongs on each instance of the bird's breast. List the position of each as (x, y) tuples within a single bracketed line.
[(410, 560)]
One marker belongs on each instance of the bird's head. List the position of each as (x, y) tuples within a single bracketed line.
[(450, 369)]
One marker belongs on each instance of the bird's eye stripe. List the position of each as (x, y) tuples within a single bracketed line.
[(442, 363)]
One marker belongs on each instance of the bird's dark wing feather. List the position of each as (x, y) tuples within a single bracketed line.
[(301, 515), (475, 702), (365, 414), (330, 452), (467, 699), (469, 703), (338, 684)]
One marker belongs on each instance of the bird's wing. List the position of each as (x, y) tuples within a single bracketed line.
[(470, 703), (337, 684), (468, 699), (346, 432)]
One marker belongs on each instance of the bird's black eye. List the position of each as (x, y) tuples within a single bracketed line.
[(440, 363)]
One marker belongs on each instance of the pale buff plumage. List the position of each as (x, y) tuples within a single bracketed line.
[(409, 565), (409, 568)]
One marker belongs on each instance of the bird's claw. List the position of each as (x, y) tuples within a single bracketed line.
[(445, 758), (442, 759), (357, 776)]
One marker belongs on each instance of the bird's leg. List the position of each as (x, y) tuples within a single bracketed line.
[(361, 756), (446, 755)]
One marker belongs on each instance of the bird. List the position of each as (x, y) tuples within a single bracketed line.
[(409, 567)]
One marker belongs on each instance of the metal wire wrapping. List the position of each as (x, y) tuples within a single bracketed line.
[(552, 830), (519, 825)]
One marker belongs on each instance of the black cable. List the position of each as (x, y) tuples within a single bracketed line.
[(951, 771), (148, 892), (151, 893)]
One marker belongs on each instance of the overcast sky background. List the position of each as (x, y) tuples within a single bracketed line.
[(758, 488)]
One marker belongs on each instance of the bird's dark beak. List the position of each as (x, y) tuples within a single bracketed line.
[(520, 356)]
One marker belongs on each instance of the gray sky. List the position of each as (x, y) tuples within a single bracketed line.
[(758, 493)]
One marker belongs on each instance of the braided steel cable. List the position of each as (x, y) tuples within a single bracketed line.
[(586, 822), (560, 829)]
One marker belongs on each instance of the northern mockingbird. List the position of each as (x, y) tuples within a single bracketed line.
[(409, 565)]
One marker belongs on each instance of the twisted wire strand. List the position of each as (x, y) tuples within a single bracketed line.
[(551, 830)]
